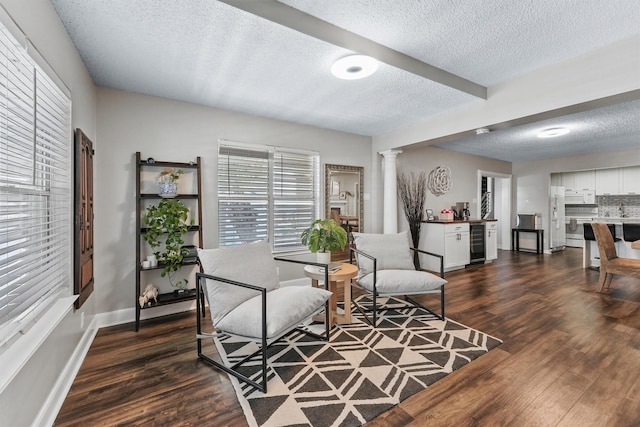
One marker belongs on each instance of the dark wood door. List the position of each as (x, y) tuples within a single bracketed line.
[(83, 254)]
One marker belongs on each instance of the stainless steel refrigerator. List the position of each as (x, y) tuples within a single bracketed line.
[(557, 231)]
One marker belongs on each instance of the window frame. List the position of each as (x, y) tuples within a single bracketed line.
[(280, 244), (26, 295)]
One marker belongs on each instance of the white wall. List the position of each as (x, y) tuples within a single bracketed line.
[(177, 131), (27, 393), (464, 173)]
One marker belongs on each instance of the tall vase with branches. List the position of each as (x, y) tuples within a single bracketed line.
[(412, 190)]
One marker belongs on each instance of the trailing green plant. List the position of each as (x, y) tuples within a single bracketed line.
[(170, 175), (324, 235), (166, 224)]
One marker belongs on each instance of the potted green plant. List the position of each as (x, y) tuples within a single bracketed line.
[(166, 225), (323, 237), (168, 182)]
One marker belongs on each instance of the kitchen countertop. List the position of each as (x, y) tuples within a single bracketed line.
[(460, 221), (614, 220)]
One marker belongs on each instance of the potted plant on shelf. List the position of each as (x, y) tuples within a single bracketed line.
[(323, 237), (168, 182), (166, 224)]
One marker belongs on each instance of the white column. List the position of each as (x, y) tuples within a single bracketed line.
[(390, 201)]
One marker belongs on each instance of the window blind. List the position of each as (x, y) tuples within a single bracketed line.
[(35, 189), (266, 193)]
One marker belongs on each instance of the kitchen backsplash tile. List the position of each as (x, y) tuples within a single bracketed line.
[(609, 206)]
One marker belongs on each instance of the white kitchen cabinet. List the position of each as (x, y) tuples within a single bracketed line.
[(630, 180), (449, 240), (569, 180), (607, 182), (585, 180), (491, 240), (579, 180)]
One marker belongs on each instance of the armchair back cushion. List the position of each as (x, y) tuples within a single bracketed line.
[(392, 252), (250, 263)]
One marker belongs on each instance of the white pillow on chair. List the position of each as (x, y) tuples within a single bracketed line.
[(250, 263), (392, 252)]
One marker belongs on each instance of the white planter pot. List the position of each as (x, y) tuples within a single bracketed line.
[(168, 190), (324, 257)]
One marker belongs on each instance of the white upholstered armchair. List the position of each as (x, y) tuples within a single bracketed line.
[(245, 299), (385, 268)]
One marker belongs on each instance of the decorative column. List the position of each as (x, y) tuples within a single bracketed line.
[(390, 201)]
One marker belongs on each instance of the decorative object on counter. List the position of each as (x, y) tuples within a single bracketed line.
[(430, 216), (168, 182), (440, 181), (446, 214), (323, 237), (167, 220), (150, 293), (412, 190)]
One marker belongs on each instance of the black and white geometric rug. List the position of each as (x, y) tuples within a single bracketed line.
[(359, 374)]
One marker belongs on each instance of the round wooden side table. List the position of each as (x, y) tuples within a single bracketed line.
[(344, 276)]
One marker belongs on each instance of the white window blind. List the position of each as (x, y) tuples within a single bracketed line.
[(35, 189), (266, 193)]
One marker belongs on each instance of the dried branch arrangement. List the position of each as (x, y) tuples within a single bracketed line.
[(412, 190)]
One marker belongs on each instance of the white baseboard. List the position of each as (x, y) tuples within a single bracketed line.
[(128, 315), (49, 411)]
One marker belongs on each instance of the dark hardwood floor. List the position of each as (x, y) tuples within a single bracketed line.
[(570, 357)]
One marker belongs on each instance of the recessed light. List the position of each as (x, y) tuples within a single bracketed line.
[(553, 132), (354, 67)]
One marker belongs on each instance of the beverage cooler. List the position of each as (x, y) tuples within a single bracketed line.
[(476, 243)]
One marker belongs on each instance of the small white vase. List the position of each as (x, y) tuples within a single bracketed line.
[(152, 260), (324, 257)]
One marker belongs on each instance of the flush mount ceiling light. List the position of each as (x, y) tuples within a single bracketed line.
[(553, 132), (354, 67)]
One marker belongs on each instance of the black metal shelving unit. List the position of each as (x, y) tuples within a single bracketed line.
[(169, 297)]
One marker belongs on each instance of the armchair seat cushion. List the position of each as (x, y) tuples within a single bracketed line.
[(287, 307), (402, 282)]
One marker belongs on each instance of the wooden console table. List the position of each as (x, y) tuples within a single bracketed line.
[(515, 238)]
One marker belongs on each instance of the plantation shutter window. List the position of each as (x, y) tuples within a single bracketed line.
[(35, 189), (266, 193), (294, 197)]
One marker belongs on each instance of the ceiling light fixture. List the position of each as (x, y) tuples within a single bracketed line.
[(354, 67), (553, 132), (482, 131)]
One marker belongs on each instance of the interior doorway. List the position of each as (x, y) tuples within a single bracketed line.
[(494, 202)]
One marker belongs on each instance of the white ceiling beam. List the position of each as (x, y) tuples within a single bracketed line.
[(295, 19)]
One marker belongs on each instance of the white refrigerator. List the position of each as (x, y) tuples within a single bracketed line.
[(557, 232)]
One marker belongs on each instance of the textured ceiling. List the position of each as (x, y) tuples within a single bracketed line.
[(211, 53), (596, 131)]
